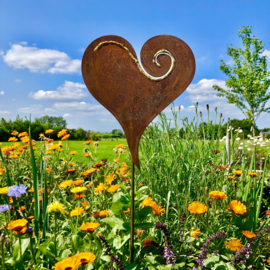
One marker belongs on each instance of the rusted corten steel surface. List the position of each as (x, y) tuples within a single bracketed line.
[(114, 77)]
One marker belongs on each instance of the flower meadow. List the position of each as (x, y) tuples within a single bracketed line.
[(195, 206)]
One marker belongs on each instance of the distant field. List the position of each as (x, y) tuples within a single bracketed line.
[(104, 150)]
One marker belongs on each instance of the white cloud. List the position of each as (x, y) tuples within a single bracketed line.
[(18, 80), (4, 112), (77, 106), (66, 115), (168, 109), (203, 90), (67, 91), (107, 120), (35, 109), (1, 52), (24, 43), (202, 59), (2, 93), (40, 60), (266, 53)]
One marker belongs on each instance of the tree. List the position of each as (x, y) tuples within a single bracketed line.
[(117, 132), (79, 134), (53, 120), (248, 77)]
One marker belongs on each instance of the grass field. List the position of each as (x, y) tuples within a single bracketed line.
[(103, 151)]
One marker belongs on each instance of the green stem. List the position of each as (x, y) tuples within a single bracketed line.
[(55, 246), (3, 256), (91, 235), (32, 250), (20, 240)]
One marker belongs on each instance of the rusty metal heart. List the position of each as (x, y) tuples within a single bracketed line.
[(115, 78)]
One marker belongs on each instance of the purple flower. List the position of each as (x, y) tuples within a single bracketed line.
[(4, 208), (191, 147), (17, 191), (221, 115), (207, 106)]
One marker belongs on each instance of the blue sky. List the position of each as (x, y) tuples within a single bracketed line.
[(42, 43)]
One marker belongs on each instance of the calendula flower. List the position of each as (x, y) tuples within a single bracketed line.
[(238, 172), (103, 213), (88, 172), (2, 171), (77, 212), (195, 233), (147, 202), (237, 207), (268, 261), (120, 146), (71, 164), (41, 136), (87, 155), (96, 214), (267, 212), (222, 168), (48, 152), (6, 150), (78, 182), (253, 174), (22, 231), (100, 188), (248, 234), (22, 208), (95, 144), (113, 188), (85, 204), (234, 244), (12, 139), (62, 133), (147, 242), (17, 225), (48, 131), (25, 139), (230, 177), (157, 209), (39, 199), (140, 232), (14, 133), (70, 263), (87, 142), (49, 170), (89, 227), (4, 190), (23, 134), (66, 184), (70, 171), (126, 211), (97, 165), (73, 153), (116, 160), (85, 257), (110, 178), (56, 207), (54, 147), (197, 208), (218, 195), (81, 196), (78, 189), (65, 137), (30, 217)]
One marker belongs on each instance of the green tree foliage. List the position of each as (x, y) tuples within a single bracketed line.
[(117, 132), (80, 134), (53, 120), (249, 79)]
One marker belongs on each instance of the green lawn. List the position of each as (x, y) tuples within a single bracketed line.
[(103, 151)]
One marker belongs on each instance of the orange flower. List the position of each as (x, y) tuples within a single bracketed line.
[(14, 133), (73, 153), (22, 134), (110, 178), (70, 263), (87, 142), (78, 190), (147, 242), (85, 204), (87, 172), (195, 233), (218, 195), (113, 188), (100, 188), (54, 147), (234, 244), (2, 171), (65, 137), (89, 227), (77, 212), (248, 234), (48, 152), (39, 198), (230, 177), (222, 168), (70, 171), (126, 211), (49, 170), (85, 257), (197, 208), (17, 225), (237, 207), (31, 190), (140, 232), (78, 182), (116, 160), (30, 217), (22, 231), (268, 261), (103, 213), (66, 184), (157, 209), (48, 131), (62, 133), (253, 174), (237, 172), (96, 214), (22, 208), (268, 212), (79, 196), (120, 146), (12, 139), (6, 150), (147, 202), (87, 155), (71, 164)]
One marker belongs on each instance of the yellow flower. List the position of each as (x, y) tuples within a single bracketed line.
[(237, 172), (147, 202), (54, 147), (73, 153), (103, 213), (65, 137), (4, 190), (218, 195), (120, 146), (62, 133), (116, 160), (25, 139), (234, 244), (78, 189), (66, 184), (89, 227), (6, 150), (110, 178), (85, 257), (268, 261), (248, 234), (87, 155), (70, 263), (197, 208), (22, 134), (14, 133), (230, 177), (195, 233), (157, 209), (87, 142), (48, 152), (253, 174), (48, 131), (12, 139), (113, 188), (77, 211), (56, 207), (100, 188), (30, 217), (237, 207), (17, 225), (22, 231)]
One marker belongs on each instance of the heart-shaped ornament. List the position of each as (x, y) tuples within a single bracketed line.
[(136, 95)]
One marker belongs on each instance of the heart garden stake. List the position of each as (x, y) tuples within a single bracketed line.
[(136, 94)]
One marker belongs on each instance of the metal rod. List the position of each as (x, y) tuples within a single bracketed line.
[(131, 253)]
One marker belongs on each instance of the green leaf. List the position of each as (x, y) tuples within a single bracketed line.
[(132, 266), (77, 243), (210, 261), (118, 242), (143, 213), (114, 222), (144, 226), (16, 249), (66, 253), (116, 208)]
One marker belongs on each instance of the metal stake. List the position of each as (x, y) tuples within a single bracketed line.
[(131, 253)]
